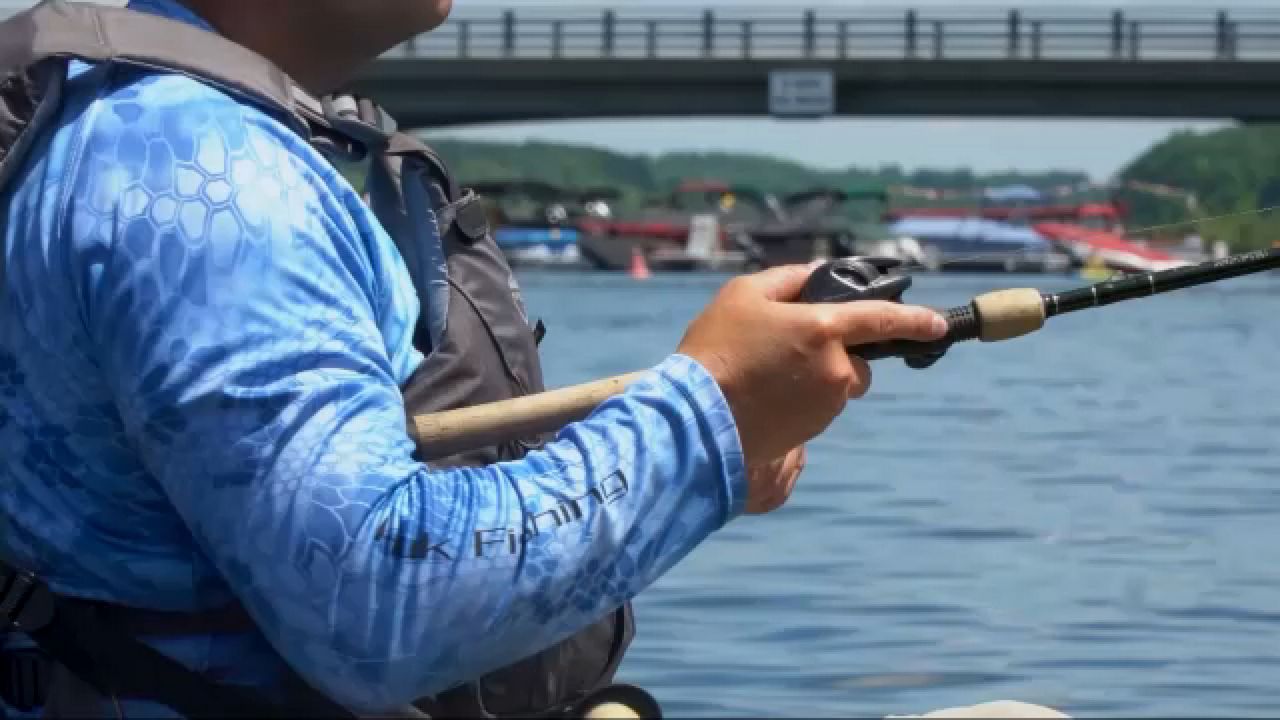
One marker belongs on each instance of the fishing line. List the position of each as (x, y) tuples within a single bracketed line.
[(1201, 221)]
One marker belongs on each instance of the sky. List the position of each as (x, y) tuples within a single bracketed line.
[(1097, 147)]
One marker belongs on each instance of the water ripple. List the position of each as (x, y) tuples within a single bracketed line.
[(918, 680), (973, 533), (1079, 480), (1227, 450), (1211, 511), (1221, 613), (1084, 518), (944, 412), (1110, 663)]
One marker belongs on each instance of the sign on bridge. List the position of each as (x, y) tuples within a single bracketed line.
[(802, 93)]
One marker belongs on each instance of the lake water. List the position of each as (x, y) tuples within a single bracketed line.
[(1087, 518)]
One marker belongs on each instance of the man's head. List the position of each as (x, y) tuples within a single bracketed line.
[(321, 43)]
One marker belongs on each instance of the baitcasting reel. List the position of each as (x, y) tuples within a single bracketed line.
[(870, 278)]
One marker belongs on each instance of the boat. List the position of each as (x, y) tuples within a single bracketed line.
[(1086, 231), (975, 244), (793, 229), (1111, 249), (753, 229), (817, 223), (713, 225), (836, 222), (550, 247), (670, 234), (531, 223)]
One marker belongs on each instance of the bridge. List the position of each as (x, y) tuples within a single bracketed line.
[(494, 65)]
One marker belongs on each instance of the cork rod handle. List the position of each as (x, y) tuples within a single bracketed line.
[(445, 433)]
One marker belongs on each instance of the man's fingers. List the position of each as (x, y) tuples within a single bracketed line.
[(861, 377), (799, 457), (782, 283), (871, 321), (796, 461)]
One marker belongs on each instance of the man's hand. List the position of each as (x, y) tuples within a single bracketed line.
[(771, 484), (783, 365)]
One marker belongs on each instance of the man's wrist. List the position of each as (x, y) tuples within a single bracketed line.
[(716, 423)]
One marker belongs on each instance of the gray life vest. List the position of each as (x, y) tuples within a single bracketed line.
[(487, 353)]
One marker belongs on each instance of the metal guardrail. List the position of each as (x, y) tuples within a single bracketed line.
[(643, 30), (833, 33)]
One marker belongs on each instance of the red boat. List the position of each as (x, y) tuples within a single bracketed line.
[(1091, 232), (1112, 249)]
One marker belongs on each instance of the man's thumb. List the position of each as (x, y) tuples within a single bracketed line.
[(782, 283)]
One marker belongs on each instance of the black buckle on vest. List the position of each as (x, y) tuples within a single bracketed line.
[(25, 601), (359, 118), (470, 216)]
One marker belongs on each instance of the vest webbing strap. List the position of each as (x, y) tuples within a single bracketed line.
[(119, 665)]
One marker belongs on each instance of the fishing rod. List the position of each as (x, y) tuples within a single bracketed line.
[(1006, 314), (991, 317)]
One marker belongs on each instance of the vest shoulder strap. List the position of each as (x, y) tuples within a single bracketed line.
[(57, 29), (36, 44)]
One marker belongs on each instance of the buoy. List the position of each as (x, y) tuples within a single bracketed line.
[(639, 268), (1095, 268)]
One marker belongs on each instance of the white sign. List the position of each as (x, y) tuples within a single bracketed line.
[(802, 93)]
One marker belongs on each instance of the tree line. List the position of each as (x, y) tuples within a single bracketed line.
[(1232, 171)]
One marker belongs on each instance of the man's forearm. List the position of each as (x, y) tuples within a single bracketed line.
[(456, 572)]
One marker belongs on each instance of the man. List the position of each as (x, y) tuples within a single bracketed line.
[(205, 343)]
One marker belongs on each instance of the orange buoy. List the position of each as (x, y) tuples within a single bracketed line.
[(639, 268)]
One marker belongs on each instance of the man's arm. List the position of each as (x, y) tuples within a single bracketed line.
[(246, 344)]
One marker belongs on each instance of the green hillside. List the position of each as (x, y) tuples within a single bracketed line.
[(1230, 171), (640, 176)]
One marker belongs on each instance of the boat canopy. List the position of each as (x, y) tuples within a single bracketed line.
[(972, 231)]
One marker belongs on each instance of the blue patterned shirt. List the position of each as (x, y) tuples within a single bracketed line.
[(203, 332)]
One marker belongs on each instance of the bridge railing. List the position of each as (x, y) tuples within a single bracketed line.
[(1151, 34)]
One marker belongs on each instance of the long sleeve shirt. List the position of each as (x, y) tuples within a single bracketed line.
[(203, 332)]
